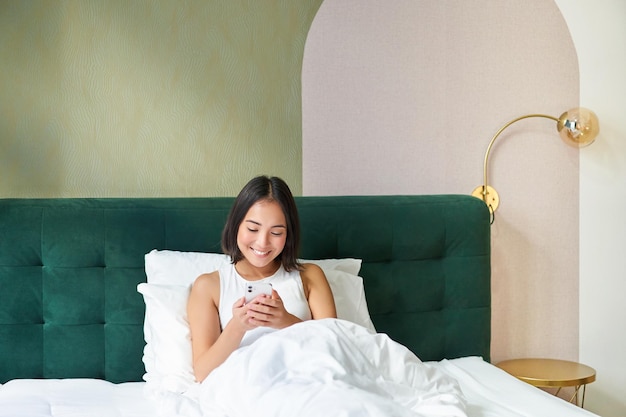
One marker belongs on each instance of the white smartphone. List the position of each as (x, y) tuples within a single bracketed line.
[(256, 288)]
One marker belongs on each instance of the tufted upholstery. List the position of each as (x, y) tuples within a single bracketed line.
[(69, 270)]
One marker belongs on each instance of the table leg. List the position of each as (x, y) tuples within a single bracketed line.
[(574, 398)]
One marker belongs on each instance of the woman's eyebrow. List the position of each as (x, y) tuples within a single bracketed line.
[(259, 224)]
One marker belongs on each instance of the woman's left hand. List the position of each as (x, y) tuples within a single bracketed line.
[(269, 312)]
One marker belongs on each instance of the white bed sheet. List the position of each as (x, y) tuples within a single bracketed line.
[(490, 392), (74, 398)]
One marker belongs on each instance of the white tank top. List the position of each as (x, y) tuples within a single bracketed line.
[(288, 285)]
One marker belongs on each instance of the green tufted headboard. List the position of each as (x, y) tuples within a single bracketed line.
[(69, 269)]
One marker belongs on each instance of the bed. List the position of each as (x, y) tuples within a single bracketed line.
[(92, 320)]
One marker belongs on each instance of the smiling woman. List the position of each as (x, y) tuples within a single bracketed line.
[(261, 191), (262, 238)]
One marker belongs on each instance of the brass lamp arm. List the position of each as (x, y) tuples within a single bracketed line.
[(502, 129)]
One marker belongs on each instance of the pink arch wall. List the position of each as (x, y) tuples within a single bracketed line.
[(404, 99)]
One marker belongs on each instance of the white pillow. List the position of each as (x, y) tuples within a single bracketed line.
[(349, 297), (167, 354), (349, 265), (168, 267)]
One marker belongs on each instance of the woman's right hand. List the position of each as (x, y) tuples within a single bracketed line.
[(240, 315)]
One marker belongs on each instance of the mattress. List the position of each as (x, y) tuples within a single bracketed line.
[(490, 392)]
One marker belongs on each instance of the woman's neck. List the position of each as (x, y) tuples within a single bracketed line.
[(254, 273)]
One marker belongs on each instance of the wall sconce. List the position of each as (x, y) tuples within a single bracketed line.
[(577, 127)]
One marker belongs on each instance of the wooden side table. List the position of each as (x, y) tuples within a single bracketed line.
[(552, 373)]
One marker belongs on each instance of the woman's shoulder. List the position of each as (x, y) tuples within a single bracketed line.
[(308, 267), (206, 287), (207, 281), (311, 272)]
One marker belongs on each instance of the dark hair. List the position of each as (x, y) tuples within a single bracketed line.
[(268, 189)]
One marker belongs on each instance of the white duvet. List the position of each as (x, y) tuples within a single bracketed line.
[(321, 368)]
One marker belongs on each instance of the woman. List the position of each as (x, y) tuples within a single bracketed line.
[(261, 236)]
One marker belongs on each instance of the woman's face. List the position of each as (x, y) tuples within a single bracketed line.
[(262, 233)]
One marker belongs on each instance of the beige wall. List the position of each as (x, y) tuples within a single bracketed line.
[(142, 98), (405, 99)]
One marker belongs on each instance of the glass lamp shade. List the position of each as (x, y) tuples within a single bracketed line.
[(578, 127)]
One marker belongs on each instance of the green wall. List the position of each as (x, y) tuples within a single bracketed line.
[(149, 98)]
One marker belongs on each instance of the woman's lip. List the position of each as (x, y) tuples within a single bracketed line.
[(260, 253)]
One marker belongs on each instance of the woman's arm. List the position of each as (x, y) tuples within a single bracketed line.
[(210, 346), (318, 292)]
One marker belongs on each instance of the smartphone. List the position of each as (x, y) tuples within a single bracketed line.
[(257, 288)]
